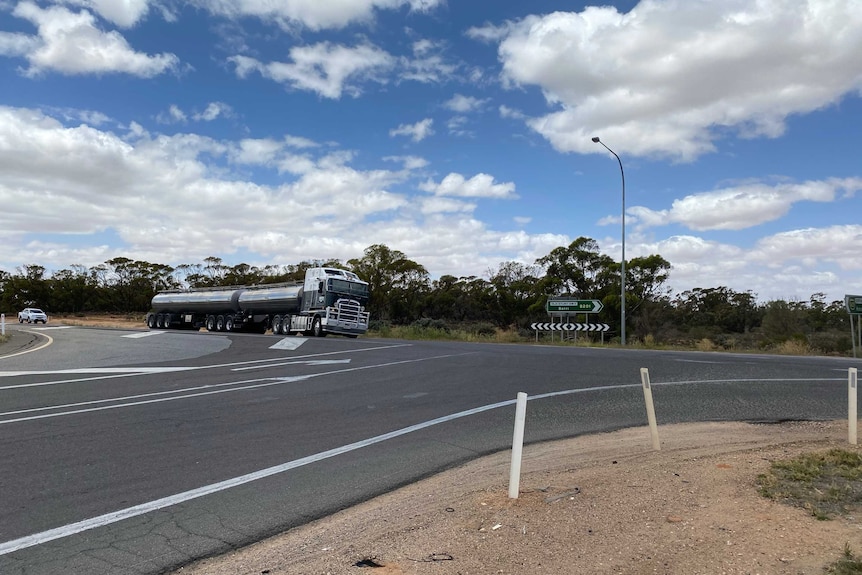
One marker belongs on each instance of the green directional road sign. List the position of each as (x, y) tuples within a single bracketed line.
[(569, 305), (854, 303)]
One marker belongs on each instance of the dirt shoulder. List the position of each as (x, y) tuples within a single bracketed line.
[(598, 504)]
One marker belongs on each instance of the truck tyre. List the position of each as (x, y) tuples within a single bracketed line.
[(317, 328), (211, 323), (166, 322), (285, 325), (20, 319), (228, 323), (276, 325), (151, 320), (220, 323)]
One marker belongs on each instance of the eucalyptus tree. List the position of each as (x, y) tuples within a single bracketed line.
[(518, 292), (398, 285), (578, 269), (131, 284)]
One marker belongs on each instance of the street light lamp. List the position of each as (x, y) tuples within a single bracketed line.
[(623, 263)]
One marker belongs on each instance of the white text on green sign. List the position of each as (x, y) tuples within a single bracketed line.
[(574, 305)]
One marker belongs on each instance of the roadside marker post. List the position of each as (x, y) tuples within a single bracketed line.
[(517, 445), (2, 324), (650, 409), (851, 405)]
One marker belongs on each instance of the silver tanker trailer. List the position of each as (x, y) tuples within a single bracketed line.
[(330, 300)]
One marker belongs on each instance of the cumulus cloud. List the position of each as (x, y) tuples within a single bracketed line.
[(667, 78), (123, 13), (214, 110), (325, 68), (479, 186), (463, 104), (330, 14), (744, 206), (72, 43), (417, 132)]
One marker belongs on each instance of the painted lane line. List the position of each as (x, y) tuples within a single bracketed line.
[(142, 395), (270, 381), (148, 370), (245, 385), (111, 370), (109, 518), (49, 341), (53, 327), (303, 362)]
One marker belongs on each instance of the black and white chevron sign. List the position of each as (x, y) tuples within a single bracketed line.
[(570, 326)]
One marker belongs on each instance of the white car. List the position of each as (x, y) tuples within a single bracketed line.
[(32, 315)]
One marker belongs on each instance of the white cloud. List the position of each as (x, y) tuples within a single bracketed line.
[(743, 206), (463, 104), (310, 14), (15, 44), (213, 111), (124, 13), (668, 77), (427, 65), (439, 205), (325, 68), (174, 115), (417, 132), (479, 186), (71, 43)]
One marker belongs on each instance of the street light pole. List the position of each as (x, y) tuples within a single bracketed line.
[(623, 262)]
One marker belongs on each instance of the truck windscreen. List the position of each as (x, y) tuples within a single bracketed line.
[(353, 289)]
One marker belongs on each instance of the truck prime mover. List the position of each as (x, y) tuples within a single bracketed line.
[(328, 301)]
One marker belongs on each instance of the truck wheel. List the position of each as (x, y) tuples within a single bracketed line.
[(285, 325), (20, 320), (211, 323), (151, 320), (317, 328), (276, 325), (220, 323), (228, 324), (167, 321)]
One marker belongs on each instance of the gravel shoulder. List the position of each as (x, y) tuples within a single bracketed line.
[(597, 504)]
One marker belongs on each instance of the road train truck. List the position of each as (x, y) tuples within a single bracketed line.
[(330, 300)]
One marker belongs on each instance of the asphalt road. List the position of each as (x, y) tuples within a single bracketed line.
[(138, 452)]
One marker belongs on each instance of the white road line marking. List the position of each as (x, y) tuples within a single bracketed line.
[(255, 384), (43, 346), (301, 362), (114, 517), (141, 334), (289, 343)]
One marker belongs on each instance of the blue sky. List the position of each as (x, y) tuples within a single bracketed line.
[(456, 132)]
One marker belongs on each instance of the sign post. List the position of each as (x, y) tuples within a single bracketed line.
[(854, 308)]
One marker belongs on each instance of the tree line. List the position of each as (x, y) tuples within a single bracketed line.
[(511, 296)]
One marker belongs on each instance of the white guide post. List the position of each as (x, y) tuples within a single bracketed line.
[(650, 409), (2, 324), (851, 405), (517, 445)]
